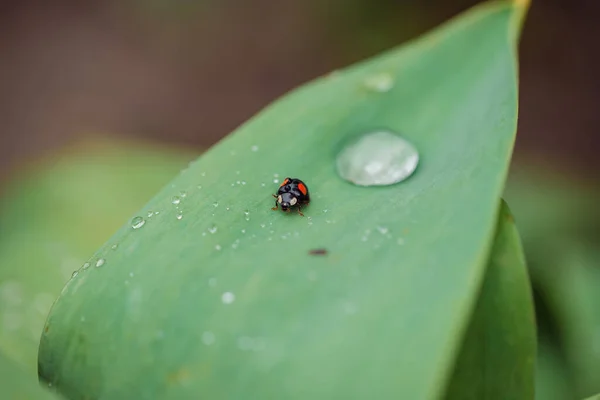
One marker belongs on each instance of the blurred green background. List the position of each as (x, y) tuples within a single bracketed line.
[(103, 102)]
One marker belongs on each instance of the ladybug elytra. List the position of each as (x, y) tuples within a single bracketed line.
[(291, 193)]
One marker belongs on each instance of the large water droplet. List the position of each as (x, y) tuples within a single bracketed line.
[(137, 222), (377, 158)]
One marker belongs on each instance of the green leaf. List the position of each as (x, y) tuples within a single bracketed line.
[(18, 384), (595, 397), (498, 352), (56, 214), (552, 378), (568, 279), (382, 314)]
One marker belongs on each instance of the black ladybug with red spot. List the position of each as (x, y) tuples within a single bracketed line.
[(291, 193)]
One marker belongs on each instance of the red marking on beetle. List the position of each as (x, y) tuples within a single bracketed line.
[(284, 182), (302, 188)]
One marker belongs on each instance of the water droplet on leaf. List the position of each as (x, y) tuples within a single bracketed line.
[(100, 262), (208, 338), (227, 298), (176, 200), (137, 222), (377, 158), (382, 82), (382, 229)]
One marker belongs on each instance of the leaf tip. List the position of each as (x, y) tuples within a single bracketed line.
[(522, 7)]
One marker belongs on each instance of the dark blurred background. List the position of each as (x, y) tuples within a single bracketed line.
[(189, 71), (103, 102)]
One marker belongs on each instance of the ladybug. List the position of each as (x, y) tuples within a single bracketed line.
[(291, 193)]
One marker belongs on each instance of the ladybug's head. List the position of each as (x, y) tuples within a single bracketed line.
[(287, 200)]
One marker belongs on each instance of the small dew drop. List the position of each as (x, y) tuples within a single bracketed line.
[(203, 174), (243, 231), (215, 204), (325, 211), (383, 230), (227, 298), (213, 229), (275, 180), (74, 274), (263, 225), (150, 214), (156, 212), (100, 262), (376, 159), (243, 182), (114, 246), (199, 187), (208, 338), (86, 265), (263, 184), (179, 215), (182, 194), (218, 247), (176, 200), (137, 222), (382, 82), (254, 148), (276, 175)]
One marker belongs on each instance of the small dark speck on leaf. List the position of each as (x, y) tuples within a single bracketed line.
[(318, 252)]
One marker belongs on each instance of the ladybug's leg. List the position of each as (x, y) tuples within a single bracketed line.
[(274, 195), (276, 206), (300, 211)]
